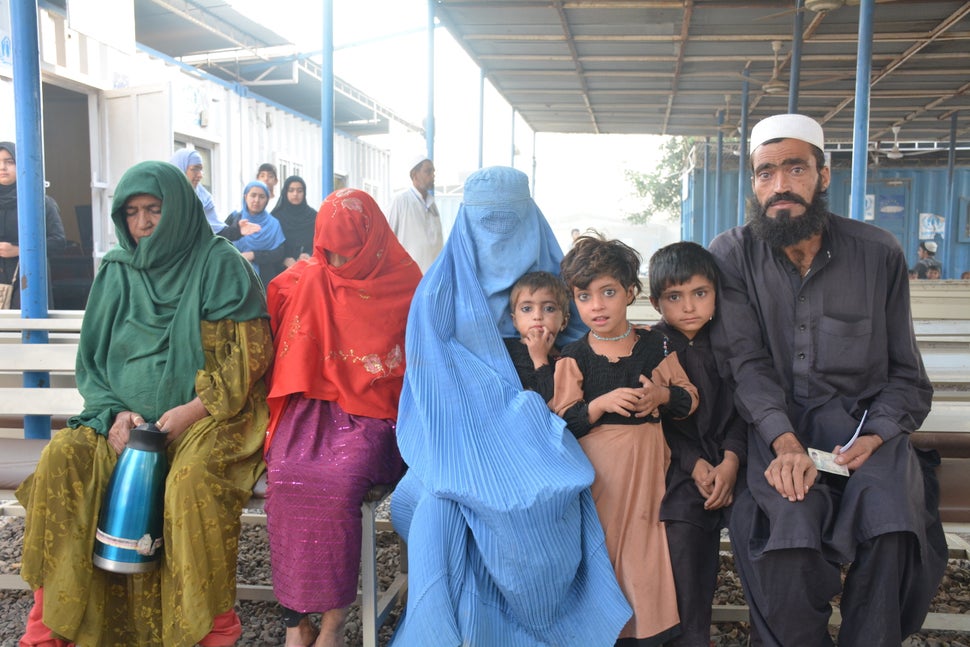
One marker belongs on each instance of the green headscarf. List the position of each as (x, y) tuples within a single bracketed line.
[(141, 341)]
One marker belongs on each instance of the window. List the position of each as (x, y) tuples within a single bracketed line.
[(287, 168)]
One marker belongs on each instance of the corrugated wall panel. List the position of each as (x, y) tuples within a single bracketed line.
[(916, 190)]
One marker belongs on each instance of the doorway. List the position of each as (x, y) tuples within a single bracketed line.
[(67, 170)]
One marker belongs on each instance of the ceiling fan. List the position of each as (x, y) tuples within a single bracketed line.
[(774, 85), (894, 152), (821, 6), (727, 126)]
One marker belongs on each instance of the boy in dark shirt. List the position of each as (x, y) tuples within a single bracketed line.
[(708, 448), (540, 311)]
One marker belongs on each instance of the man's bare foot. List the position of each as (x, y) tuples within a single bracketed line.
[(302, 635)]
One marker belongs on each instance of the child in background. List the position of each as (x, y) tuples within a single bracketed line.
[(610, 387), (708, 448), (540, 311)]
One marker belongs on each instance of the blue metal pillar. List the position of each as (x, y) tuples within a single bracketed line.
[(533, 164), (429, 121), (481, 116), (860, 130), (326, 99), (512, 152), (31, 222), (950, 269), (743, 149), (704, 230), (719, 217), (796, 56)]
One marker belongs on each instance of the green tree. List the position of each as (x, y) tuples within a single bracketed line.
[(660, 188)]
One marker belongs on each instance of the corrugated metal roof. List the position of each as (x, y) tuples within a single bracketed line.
[(216, 38), (668, 67)]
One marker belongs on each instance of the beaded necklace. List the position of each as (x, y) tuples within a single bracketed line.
[(629, 329)]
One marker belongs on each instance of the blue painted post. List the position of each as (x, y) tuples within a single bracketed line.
[(860, 130), (429, 125), (326, 99), (796, 57), (512, 152), (950, 269), (481, 116), (533, 164), (705, 228), (719, 166), (743, 149), (31, 222)]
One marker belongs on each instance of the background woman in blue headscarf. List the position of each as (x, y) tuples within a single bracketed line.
[(264, 249), (504, 544)]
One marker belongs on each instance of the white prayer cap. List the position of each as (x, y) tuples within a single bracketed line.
[(929, 246), (789, 126), (415, 160)]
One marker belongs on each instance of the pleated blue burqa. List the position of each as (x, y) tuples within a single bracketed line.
[(504, 544)]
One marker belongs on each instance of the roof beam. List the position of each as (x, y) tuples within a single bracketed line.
[(580, 73), (919, 45), (202, 17), (679, 65)]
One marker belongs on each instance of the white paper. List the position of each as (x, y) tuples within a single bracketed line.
[(852, 440)]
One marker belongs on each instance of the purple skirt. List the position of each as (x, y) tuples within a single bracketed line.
[(321, 463)]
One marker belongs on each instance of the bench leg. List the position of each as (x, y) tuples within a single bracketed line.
[(369, 621)]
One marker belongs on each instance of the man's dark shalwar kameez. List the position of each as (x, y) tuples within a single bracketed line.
[(810, 355)]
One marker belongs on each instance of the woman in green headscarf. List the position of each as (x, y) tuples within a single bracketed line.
[(175, 333)]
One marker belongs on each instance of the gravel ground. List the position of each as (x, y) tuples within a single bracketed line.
[(262, 626)]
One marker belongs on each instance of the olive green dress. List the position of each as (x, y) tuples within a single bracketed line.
[(174, 315), (214, 465)]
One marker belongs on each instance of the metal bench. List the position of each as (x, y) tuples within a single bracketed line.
[(947, 430), (19, 456)]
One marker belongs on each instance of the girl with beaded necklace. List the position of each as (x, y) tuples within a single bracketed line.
[(610, 387)]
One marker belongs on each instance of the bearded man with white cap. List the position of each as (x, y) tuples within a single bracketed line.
[(815, 330), (926, 252), (413, 215)]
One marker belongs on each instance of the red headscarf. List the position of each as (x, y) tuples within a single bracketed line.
[(339, 331)]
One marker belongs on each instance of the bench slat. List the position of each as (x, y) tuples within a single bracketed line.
[(40, 402), (38, 357), (949, 416), (55, 321), (52, 325)]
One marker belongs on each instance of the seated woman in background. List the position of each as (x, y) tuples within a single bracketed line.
[(264, 249), (175, 333), (297, 219), (338, 320)]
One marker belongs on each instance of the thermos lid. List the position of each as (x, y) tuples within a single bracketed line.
[(147, 437)]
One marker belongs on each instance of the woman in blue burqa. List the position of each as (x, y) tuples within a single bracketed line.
[(504, 544)]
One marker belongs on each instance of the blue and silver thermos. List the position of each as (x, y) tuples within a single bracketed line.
[(129, 535)]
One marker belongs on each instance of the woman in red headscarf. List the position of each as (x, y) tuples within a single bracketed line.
[(338, 321)]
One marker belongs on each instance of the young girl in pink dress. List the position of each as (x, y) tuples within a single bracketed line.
[(610, 387)]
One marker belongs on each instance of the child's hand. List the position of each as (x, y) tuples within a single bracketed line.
[(703, 475), (622, 401), (539, 341), (652, 396), (725, 475)]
